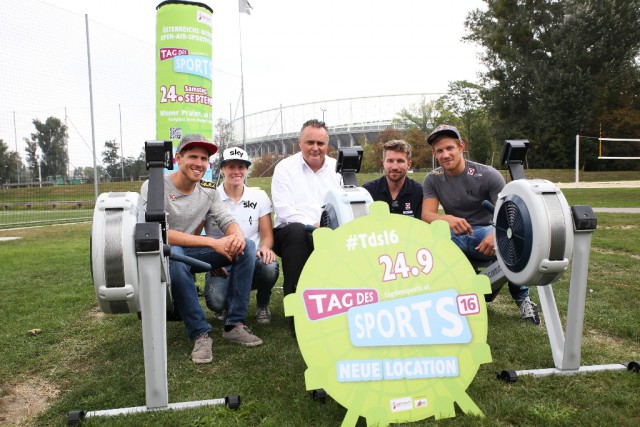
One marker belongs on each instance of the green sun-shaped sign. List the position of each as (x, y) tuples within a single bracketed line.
[(391, 319)]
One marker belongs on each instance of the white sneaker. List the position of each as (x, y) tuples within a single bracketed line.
[(202, 350), (242, 335)]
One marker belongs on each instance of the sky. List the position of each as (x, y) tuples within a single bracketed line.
[(293, 52)]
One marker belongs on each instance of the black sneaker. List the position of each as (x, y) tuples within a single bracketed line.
[(263, 316), (219, 315)]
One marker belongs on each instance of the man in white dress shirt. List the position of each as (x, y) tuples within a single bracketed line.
[(298, 188)]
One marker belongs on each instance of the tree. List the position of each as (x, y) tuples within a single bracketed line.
[(32, 156), (422, 116), (372, 150), (84, 172), (87, 173), (264, 165), (135, 168), (111, 159), (467, 111), (51, 137), (79, 172), (418, 121), (556, 68), (463, 99), (223, 138), (10, 164), (483, 147), (420, 150), (462, 107)]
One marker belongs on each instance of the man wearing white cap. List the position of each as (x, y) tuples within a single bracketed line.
[(461, 186), (252, 209), (188, 202)]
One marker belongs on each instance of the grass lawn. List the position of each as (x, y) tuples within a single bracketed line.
[(68, 203), (85, 192), (60, 353), (596, 197)]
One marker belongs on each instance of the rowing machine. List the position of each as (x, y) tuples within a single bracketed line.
[(130, 269), (537, 236), (349, 201)]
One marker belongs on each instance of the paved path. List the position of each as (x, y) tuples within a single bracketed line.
[(606, 184), (617, 210), (609, 184)]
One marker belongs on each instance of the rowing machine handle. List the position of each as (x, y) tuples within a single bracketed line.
[(488, 206), (199, 265)]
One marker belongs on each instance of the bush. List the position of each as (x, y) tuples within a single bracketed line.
[(263, 167)]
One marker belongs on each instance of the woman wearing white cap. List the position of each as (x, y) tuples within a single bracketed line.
[(252, 209)]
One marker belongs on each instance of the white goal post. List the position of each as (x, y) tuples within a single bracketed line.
[(600, 156)]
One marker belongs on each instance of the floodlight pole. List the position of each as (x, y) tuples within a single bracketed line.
[(284, 150), (244, 127), (39, 160), (121, 150), (15, 133), (93, 129)]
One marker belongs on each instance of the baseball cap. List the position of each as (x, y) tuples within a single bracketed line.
[(196, 140), (441, 130), (235, 153)]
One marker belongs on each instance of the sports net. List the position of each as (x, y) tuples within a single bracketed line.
[(618, 149)]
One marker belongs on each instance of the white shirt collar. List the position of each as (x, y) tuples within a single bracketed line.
[(305, 164), (223, 194)]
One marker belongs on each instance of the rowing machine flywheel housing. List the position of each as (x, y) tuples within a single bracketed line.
[(114, 263), (534, 232)]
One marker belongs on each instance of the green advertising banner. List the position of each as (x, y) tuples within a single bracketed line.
[(183, 70), (391, 319)]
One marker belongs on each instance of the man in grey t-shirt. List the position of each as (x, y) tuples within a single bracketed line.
[(461, 186), (188, 201)]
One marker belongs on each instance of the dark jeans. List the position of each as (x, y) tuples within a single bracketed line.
[(293, 244), (185, 294), (468, 244), (264, 278)]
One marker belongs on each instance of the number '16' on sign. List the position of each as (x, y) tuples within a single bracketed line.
[(399, 266)]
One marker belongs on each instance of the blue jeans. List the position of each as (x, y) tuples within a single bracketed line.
[(264, 278), (468, 243), (185, 293)]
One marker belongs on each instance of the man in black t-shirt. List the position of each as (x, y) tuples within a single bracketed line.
[(402, 194)]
